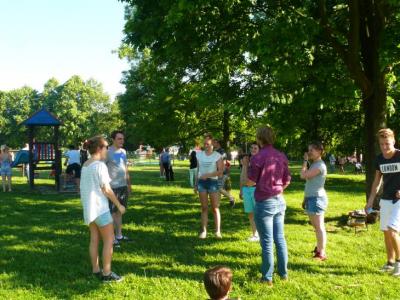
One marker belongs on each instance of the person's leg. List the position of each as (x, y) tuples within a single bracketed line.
[(204, 210), (264, 222), (191, 177), (94, 247), (395, 242), (280, 243), (107, 236), (390, 254), (318, 222), (3, 179), (215, 209), (117, 217), (252, 224), (9, 183), (166, 170), (171, 173)]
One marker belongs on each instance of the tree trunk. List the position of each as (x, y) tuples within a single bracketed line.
[(226, 130)]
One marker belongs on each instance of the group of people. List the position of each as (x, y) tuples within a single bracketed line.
[(264, 177), (105, 187)]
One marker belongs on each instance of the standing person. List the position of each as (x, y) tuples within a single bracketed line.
[(193, 168), (342, 162), (117, 164), (84, 155), (247, 194), (73, 163), (5, 167), (162, 171), (315, 199), (95, 189), (221, 183), (388, 172), (210, 167), (269, 171), (332, 162), (167, 165)]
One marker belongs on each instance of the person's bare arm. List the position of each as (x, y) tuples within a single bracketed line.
[(374, 189), (108, 192), (308, 174)]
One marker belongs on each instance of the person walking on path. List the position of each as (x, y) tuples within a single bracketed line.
[(210, 167), (5, 167), (117, 164), (95, 192), (269, 171), (315, 199), (388, 173)]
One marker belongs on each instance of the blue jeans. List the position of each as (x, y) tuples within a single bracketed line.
[(269, 216)]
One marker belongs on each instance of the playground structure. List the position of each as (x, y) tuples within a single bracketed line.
[(43, 155)]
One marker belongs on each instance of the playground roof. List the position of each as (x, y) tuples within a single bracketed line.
[(42, 118)]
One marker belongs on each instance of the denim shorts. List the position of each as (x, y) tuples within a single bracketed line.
[(104, 219), (6, 171), (208, 185), (316, 205)]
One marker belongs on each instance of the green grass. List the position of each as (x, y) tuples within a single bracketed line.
[(43, 246)]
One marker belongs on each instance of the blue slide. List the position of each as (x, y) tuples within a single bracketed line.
[(22, 157)]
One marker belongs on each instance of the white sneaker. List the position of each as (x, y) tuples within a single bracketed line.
[(218, 235), (387, 268), (203, 235), (254, 238), (396, 271)]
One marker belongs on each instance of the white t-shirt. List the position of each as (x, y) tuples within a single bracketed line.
[(94, 202), (208, 163), (74, 157)]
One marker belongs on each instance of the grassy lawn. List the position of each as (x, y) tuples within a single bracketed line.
[(43, 246)]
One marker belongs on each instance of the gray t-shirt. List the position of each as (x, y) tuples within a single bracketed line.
[(315, 185), (117, 164)]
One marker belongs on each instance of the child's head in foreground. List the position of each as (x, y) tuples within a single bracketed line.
[(218, 282)]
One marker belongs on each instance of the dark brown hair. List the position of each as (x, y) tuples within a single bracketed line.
[(218, 282), (265, 135), (317, 146), (115, 132), (95, 142)]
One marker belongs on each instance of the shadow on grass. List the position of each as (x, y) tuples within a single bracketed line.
[(43, 241)]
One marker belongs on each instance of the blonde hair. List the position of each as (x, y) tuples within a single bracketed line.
[(4, 148), (94, 143), (385, 133), (265, 135)]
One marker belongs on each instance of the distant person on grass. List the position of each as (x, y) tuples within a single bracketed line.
[(269, 171), (247, 194), (5, 167), (95, 192), (167, 165), (162, 171), (218, 282), (332, 162), (73, 163), (192, 168), (388, 173), (210, 167), (225, 174), (117, 164), (315, 199)]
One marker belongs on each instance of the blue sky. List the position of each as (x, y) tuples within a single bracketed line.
[(40, 39)]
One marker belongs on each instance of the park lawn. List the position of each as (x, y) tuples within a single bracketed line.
[(43, 246)]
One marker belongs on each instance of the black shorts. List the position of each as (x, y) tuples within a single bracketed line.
[(74, 169), (122, 195)]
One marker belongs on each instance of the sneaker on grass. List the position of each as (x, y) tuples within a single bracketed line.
[(112, 277), (203, 235), (396, 271), (254, 239), (388, 267), (123, 238), (116, 244)]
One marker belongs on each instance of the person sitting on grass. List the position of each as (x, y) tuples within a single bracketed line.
[(5, 167), (315, 200), (388, 172), (218, 282), (95, 192), (247, 194)]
